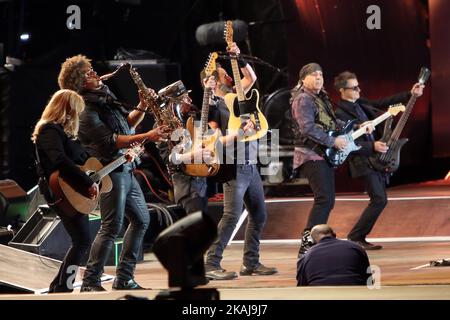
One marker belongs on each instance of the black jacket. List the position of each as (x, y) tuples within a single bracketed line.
[(103, 119), (358, 160), (58, 152), (333, 262)]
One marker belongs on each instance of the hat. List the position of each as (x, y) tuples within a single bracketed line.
[(173, 90), (308, 69)]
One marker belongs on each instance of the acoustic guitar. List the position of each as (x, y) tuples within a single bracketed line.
[(70, 201)]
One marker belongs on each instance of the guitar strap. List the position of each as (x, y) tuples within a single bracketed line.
[(43, 185)]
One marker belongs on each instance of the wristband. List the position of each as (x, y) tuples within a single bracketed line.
[(242, 62)]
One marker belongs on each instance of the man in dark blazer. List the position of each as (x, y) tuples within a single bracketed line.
[(352, 106), (332, 262)]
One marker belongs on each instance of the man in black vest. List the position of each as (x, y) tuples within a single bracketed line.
[(352, 106), (313, 116)]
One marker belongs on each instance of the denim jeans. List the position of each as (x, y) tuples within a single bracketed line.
[(245, 189), (321, 180), (190, 192), (125, 199), (374, 184)]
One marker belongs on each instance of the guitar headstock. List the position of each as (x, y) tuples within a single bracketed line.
[(396, 109), (228, 32), (135, 150), (424, 75), (210, 66)]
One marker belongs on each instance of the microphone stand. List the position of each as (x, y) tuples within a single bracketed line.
[(226, 55)]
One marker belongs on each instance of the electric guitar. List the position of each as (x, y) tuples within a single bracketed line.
[(200, 137), (336, 157), (71, 201), (243, 108), (390, 161)]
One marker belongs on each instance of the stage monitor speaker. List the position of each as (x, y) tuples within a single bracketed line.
[(43, 234)]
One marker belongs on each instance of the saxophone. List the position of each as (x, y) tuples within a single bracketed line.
[(163, 115)]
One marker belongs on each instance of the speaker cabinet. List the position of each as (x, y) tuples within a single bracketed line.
[(44, 234)]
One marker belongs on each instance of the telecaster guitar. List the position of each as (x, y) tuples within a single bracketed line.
[(243, 108)]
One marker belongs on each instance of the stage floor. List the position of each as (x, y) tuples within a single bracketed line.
[(402, 264), (414, 230)]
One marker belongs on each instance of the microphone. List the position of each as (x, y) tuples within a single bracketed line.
[(212, 33)]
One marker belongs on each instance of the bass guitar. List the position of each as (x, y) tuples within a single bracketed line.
[(390, 161), (336, 157), (71, 201)]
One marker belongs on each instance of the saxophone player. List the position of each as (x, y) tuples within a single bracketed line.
[(106, 129)]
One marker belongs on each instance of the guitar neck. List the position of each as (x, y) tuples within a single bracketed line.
[(99, 175), (205, 110), (237, 79), (402, 122), (375, 122)]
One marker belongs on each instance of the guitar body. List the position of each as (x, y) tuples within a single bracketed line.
[(390, 161), (241, 111), (336, 157), (71, 201), (209, 142)]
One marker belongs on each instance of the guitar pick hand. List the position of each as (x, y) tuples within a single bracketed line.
[(340, 143), (93, 191)]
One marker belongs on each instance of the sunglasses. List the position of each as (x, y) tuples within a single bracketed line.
[(90, 73), (355, 88)]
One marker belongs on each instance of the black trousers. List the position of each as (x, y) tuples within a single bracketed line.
[(321, 180), (125, 198), (375, 186), (78, 229)]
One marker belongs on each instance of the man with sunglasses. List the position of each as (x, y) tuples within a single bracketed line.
[(107, 129), (352, 106)]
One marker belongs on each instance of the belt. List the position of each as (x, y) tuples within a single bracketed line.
[(126, 168), (250, 162)]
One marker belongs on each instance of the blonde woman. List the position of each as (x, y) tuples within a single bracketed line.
[(55, 138)]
